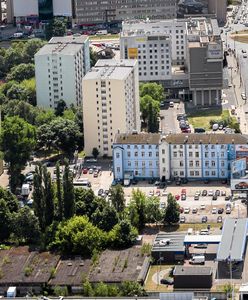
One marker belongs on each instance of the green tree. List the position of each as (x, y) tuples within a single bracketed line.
[(13, 57), (17, 141), (44, 116), (150, 112), (68, 193), (49, 197), (60, 108), (29, 90), (123, 234), (87, 289), (132, 289), (30, 48), (61, 134), (153, 211), (5, 221), (21, 72), (55, 27), (26, 226), (95, 152), (117, 198), (38, 196), (78, 236), (10, 200), (105, 218), (172, 212), (93, 58), (155, 90), (86, 202), (138, 202), (101, 290), (59, 194)]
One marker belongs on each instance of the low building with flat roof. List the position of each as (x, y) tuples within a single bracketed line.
[(168, 247), (196, 277)]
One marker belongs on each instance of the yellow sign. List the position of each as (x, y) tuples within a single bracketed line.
[(132, 53)]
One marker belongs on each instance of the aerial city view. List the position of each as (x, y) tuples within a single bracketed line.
[(124, 149)]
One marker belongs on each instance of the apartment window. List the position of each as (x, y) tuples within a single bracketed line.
[(117, 155), (174, 154), (191, 163), (135, 153), (150, 163), (213, 163), (222, 154), (223, 173), (197, 154), (143, 163), (190, 154), (136, 163), (212, 146), (213, 173), (142, 153), (181, 173), (181, 163), (222, 163), (191, 173), (197, 173), (163, 151), (129, 163), (163, 160), (190, 146), (128, 154), (212, 154), (206, 154), (197, 163), (157, 154), (118, 169), (150, 154), (207, 173), (175, 173)]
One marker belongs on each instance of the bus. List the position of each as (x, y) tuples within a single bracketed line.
[(83, 182)]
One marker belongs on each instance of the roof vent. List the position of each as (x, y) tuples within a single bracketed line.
[(134, 132), (69, 264)]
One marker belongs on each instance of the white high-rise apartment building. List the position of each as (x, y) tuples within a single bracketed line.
[(158, 45), (110, 103), (59, 69)]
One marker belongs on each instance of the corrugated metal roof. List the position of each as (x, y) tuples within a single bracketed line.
[(182, 270), (167, 242), (233, 240)]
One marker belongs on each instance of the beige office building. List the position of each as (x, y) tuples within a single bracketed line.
[(110, 103)]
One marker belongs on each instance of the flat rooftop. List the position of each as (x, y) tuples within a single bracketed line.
[(195, 271), (202, 239), (64, 45), (165, 242)]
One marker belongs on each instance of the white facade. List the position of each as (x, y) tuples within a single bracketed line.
[(25, 8), (59, 68), (110, 103), (158, 45), (62, 8)]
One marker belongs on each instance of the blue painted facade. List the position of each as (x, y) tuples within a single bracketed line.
[(139, 161)]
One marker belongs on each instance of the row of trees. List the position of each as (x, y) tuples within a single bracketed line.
[(151, 95)]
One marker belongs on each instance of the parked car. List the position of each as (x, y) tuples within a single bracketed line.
[(151, 193), (217, 193), (183, 197), (227, 198), (91, 171), (196, 197), (220, 210), (157, 193), (204, 219), (214, 210), (214, 197), (100, 192), (204, 193), (194, 210), (186, 210), (182, 219), (219, 219), (164, 193), (168, 281), (95, 174), (210, 193), (228, 210), (203, 206), (241, 185), (177, 197), (85, 171), (223, 193)]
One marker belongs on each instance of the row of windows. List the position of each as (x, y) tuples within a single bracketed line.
[(136, 154), (142, 164), (197, 146), (197, 173)]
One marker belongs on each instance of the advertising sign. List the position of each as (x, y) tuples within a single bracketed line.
[(214, 51), (238, 168), (133, 53), (45, 9), (242, 152), (239, 184), (30, 8), (192, 7)]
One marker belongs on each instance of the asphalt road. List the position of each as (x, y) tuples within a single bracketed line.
[(168, 118)]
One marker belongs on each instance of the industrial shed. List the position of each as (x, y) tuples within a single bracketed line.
[(168, 247), (193, 277)]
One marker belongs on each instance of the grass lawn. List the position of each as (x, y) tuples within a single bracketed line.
[(104, 37), (202, 117), (150, 285)]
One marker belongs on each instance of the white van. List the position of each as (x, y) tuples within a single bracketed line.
[(197, 260), (190, 231), (25, 189), (204, 232)]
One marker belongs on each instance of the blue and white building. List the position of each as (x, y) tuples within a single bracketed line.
[(136, 156), (191, 156)]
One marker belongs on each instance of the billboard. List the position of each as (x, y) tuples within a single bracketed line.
[(192, 7), (215, 51), (62, 8), (239, 184), (242, 152), (133, 53), (238, 168), (30, 8)]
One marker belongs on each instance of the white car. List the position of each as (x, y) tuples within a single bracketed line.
[(210, 193), (164, 193), (243, 96), (214, 211), (151, 193), (186, 210), (203, 206)]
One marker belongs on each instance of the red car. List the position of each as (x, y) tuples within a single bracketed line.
[(181, 209), (183, 191), (85, 171), (177, 197)]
